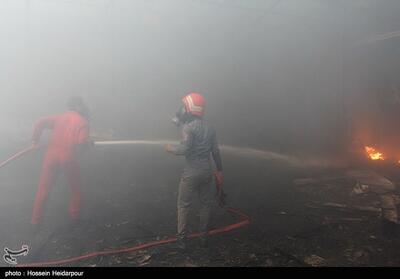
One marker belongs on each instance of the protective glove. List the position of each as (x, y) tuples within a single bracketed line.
[(219, 180), (35, 144), (219, 177), (168, 148), (91, 142)]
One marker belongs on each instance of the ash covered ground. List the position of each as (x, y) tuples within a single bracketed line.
[(130, 198)]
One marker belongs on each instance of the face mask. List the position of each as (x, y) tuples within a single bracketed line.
[(76, 104), (180, 117)]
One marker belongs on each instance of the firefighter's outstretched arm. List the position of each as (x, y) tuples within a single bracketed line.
[(84, 140), (185, 144), (42, 124)]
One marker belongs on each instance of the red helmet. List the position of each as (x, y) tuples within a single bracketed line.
[(194, 104)]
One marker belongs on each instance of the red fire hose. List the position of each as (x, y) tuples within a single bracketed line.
[(244, 221)]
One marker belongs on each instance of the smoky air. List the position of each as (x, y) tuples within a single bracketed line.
[(188, 133)]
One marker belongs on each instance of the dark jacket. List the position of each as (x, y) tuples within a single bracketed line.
[(198, 144)]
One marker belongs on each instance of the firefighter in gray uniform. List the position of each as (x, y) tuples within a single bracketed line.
[(198, 145)]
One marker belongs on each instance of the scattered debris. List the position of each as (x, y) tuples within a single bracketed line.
[(375, 182), (123, 223), (360, 255), (345, 207), (314, 261), (190, 265), (367, 208), (144, 260), (290, 257), (337, 205), (389, 207), (269, 262), (360, 189), (320, 231)]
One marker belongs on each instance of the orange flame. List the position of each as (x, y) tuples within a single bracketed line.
[(374, 154)]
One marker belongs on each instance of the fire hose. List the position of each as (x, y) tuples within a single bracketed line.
[(244, 221), (17, 155)]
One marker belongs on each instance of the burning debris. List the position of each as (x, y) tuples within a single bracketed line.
[(374, 154)]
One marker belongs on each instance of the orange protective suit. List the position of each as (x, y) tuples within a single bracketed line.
[(70, 130)]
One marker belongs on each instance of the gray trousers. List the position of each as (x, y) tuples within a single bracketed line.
[(191, 187)]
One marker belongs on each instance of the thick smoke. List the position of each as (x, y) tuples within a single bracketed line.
[(294, 77)]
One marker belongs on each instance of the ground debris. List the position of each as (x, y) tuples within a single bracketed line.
[(123, 223), (314, 261), (289, 256), (144, 260), (332, 204), (375, 182), (358, 256), (328, 220), (324, 181), (344, 207), (190, 265), (360, 188), (269, 262)]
